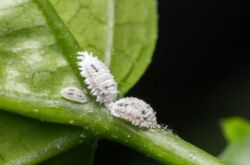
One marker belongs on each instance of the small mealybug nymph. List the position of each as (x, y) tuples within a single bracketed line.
[(98, 78), (135, 111), (74, 94)]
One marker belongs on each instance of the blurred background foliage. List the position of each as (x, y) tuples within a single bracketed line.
[(199, 75)]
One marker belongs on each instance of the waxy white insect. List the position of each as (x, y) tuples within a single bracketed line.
[(135, 111), (74, 94), (97, 77)]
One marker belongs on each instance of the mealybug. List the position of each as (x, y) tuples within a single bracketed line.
[(97, 77), (74, 94), (135, 111)]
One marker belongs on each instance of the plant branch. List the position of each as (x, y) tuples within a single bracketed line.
[(158, 144)]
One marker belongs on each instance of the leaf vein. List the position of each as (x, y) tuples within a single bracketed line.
[(110, 32)]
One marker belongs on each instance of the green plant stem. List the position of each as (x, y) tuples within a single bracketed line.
[(158, 144)]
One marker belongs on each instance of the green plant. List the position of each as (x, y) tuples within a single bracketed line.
[(38, 43)]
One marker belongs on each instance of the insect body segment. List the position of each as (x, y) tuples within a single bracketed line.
[(97, 77), (135, 111), (74, 94)]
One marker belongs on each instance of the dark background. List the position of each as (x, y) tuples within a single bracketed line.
[(200, 74)]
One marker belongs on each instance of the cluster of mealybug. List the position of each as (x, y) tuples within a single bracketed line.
[(98, 78), (101, 84), (135, 111), (74, 94)]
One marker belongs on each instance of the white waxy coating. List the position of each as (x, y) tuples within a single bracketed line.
[(97, 77), (74, 94), (135, 111)]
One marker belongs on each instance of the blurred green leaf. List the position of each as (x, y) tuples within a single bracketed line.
[(237, 132), (28, 141), (235, 128), (80, 155)]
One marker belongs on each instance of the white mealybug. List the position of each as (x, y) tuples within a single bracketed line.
[(97, 77), (135, 111), (74, 94)]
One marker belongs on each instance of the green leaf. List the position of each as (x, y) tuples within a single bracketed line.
[(122, 33), (82, 154), (28, 141), (235, 128), (237, 132), (30, 44), (35, 51)]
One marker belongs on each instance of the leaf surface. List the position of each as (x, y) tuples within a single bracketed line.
[(121, 33)]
